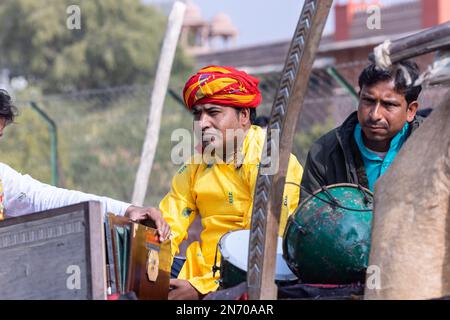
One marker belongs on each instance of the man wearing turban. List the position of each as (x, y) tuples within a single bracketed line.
[(219, 185)]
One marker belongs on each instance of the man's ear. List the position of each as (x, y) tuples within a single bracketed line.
[(411, 111), (244, 116)]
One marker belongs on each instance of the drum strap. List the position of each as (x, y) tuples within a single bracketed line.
[(215, 268), (361, 175), (364, 192), (335, 201)]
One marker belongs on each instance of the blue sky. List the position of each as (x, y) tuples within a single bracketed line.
[(263, 21), (258, 21)]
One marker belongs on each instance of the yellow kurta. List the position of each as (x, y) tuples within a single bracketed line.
[(223, 196)]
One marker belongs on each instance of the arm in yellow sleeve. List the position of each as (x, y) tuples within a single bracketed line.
[(178, 207), (206, 283), (291, 192), (199, 271)]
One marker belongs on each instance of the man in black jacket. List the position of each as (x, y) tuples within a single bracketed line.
[(363, 147)]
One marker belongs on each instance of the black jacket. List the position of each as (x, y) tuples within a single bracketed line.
[(335, 158)]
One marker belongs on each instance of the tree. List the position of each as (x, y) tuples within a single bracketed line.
[(118, 43)]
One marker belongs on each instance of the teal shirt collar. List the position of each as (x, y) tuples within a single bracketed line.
[(374, 165)]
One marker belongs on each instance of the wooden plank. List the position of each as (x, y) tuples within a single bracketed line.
[(138, 280), (285, 113), (157, 101), (48, 255), (97, 250), (419, 43), (142, 237)]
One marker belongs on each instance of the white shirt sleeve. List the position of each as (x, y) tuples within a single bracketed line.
[(24, 195)]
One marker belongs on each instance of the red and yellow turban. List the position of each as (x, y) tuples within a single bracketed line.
[(223, 86)]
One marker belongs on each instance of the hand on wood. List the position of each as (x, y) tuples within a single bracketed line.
[(139, 214)]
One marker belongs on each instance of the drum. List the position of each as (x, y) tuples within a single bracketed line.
[(327, 239), (233, 247)]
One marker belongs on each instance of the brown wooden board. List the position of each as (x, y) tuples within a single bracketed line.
[(131, 261), (54, 254), (143, 240)]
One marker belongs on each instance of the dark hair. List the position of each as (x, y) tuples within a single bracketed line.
[(373, 74), (252, 113), (7, 110), (262, 121)]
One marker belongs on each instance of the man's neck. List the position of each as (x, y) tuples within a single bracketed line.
[(232, 155), (378, 146)]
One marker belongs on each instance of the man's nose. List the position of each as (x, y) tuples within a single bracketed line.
[(204, 122), (374, 113)]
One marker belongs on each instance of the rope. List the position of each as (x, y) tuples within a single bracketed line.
[(333, 201), (434, 69), (383, 61), (382, 55)]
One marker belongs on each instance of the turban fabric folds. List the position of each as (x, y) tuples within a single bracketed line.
[(223, 86)]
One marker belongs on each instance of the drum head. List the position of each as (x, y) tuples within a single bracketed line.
[(234, 249)]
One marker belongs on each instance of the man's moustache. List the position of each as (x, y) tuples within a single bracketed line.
[(376, 124), (210, 134)]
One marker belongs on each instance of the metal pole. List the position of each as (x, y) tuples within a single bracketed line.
[(176, 97), (53, 132), (332, 71)]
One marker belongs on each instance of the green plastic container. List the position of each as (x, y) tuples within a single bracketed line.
[(327, 239)]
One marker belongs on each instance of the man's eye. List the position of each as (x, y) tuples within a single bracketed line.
[(368, 100)]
